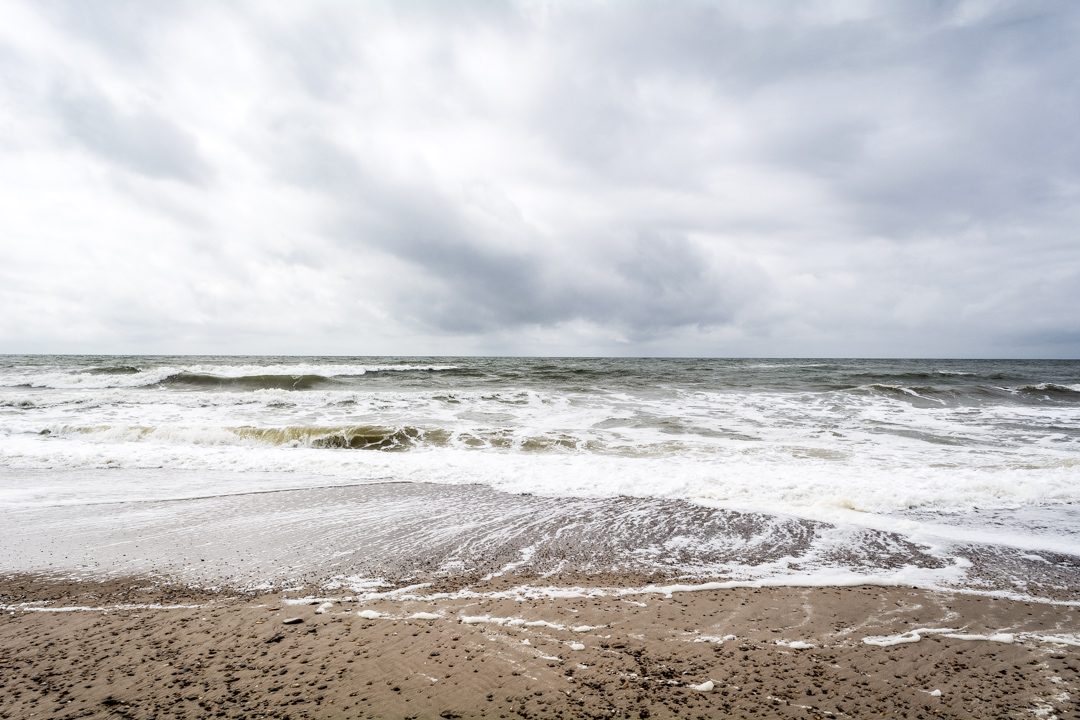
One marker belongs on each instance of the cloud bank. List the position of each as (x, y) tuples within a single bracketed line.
[(629, 178)]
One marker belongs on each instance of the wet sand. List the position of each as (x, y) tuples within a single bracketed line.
[(410, 532), (536, 605), (146, 649)]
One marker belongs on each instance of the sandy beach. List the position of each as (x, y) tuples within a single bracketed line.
[(524, 538), (521, 646)]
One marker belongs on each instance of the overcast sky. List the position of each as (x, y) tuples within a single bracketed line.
[(543, 178)]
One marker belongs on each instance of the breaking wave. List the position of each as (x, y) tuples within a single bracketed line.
[(299, 376), (200, 381), (867, 436), (114, 370), (1069, 392), (345, 437)]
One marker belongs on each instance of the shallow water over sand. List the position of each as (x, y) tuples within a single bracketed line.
[(400, 533)]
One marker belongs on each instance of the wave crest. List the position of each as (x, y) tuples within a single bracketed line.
[(300, 376), (201, 381), (364, 437), (114, 370), (344, 437), (1052, 389)]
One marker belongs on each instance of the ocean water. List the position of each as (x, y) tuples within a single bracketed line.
[(939, 453)]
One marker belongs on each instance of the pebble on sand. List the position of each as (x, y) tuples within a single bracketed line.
[(706, 686), (292, 621)]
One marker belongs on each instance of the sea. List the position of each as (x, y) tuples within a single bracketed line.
[(378, 471)]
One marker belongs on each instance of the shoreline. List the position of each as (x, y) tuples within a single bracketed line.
[(147, 648), (423, 532)]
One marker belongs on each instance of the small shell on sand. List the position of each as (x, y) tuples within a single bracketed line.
[(706, 686)]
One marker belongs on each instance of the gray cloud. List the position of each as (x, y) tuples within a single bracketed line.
[(884, 178), (140, 139), (476, 280)]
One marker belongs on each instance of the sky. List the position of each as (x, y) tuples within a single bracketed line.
[(685, 178)]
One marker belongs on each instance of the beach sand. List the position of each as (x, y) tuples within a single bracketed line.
[(146, 649)]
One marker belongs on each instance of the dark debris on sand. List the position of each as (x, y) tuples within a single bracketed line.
[(230, 656)]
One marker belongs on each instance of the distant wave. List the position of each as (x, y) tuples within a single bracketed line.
[(901, 377), (911, 393), (114, 370), (277, 380), (917, 390), (245, 382), (240, 377), (973, 393), (1068, 391)]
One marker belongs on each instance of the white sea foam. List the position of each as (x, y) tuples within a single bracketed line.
[(917, 634), (717, 639), (796, 644), (483, 620), (1004, 638), (867, 450), (889, 640), (776, 577), (845, 492), (1073, 640)]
